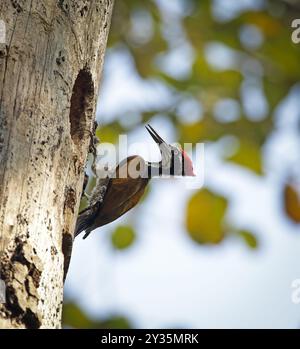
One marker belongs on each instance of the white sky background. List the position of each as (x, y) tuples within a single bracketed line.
[(165, 279)]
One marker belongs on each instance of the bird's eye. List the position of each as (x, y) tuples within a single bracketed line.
[(176, 152)]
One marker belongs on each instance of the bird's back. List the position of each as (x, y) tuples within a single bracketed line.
[(123, 192)]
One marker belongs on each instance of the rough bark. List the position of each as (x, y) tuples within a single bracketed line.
[(49, 75)]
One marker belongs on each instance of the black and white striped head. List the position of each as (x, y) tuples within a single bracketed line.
[(174, 160)]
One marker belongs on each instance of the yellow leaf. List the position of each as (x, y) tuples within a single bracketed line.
[(123, 237), (204, 220), (248, 155)]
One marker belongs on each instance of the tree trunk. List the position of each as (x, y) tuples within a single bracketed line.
[(49, 75)]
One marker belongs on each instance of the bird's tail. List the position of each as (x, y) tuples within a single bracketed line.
[(82, 224), (85, 221)]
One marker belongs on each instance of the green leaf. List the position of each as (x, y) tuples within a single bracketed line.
[(109, 133), (249, 238), (115, 322), (123, 237), (73, 316)]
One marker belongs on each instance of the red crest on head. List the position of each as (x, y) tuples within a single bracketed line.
[(188, 165)]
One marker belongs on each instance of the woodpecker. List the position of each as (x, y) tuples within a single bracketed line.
[(119, 192)]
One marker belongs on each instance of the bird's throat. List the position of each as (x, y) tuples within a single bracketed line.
[(156, 169)]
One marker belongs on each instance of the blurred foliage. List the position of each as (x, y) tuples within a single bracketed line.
[(291, 199), (122, 237), (249, 238), (74, 317), (109, 133), (271, 65), (205, 216)]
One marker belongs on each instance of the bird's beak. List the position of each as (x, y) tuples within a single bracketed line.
[(155, 135)]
